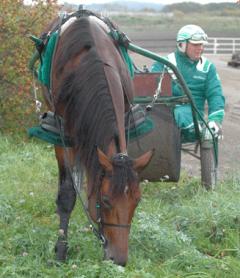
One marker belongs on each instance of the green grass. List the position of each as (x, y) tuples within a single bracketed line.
[(179, 230)]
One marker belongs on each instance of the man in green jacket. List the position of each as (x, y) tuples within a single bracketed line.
[(201, 78)]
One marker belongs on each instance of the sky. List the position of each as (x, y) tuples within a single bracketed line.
[(166, 2)]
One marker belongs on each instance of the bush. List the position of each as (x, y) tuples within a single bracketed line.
[(17, 21)]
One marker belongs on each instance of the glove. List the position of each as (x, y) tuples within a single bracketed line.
[(216, 129)]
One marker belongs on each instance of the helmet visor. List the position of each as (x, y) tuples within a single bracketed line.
[(199, 38)]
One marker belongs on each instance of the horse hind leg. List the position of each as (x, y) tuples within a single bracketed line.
[(65, 201)]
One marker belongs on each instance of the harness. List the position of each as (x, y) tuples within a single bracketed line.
[(47, 44), (51, 38)]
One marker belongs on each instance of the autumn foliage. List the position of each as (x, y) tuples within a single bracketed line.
[(17, 21)]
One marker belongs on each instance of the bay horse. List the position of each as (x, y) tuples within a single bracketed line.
[(92, 90)]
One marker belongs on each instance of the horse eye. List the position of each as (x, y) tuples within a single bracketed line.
[(106, 202)]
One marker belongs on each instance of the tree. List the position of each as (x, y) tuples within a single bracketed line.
[(17, 20)]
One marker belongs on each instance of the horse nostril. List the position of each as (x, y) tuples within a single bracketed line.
[(123, 264)]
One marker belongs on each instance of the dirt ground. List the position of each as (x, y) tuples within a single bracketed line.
[(229, 148)]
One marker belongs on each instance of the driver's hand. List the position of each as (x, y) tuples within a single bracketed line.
[(216, 128)]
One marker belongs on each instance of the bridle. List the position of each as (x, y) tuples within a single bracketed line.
[(100, 221), (98, 231)]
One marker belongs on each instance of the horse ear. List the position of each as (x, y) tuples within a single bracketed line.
[(104, 161), (141, 162)]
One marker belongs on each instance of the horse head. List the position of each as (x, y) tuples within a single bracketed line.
[(117, 198)]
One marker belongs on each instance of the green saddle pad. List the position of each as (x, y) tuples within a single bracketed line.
[(49, 136), (55, 138)]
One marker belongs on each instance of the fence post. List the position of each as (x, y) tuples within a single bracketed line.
[(233, 48), (215, 46)]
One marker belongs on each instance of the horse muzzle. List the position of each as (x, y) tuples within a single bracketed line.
[(119, 257)]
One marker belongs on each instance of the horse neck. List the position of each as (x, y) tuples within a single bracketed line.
[(115, 71)]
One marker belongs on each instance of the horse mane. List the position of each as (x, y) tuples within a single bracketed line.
[(84, 93)]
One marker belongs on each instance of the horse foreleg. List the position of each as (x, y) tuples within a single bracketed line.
[(66, 199)]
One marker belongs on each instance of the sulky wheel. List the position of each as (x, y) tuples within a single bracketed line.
[(208, 165), (165, 139)]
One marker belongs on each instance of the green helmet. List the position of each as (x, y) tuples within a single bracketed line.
[(192, 34)]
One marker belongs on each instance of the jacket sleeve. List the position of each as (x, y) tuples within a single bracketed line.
[(214, 96)]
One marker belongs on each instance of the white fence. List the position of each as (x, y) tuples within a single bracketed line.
[(157, 43), (223, 45)]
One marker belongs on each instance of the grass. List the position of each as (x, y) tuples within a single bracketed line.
[(179, 230), (212, 22)]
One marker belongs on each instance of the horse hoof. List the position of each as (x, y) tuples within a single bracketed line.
[(61, 250)]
